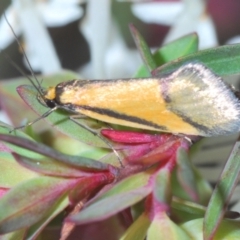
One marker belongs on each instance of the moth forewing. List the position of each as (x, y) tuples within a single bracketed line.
[(191, 100)]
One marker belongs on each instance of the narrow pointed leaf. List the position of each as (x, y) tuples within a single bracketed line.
[(204, 188), (138, 230), (171, 51), (194, 228), (88, 185), (11, 172), (124, 194), (51, 167), (217, 59), (163, 228), (30, 201), (228, 229), (58, 206), (185, 174), (222, 193), (5, 129), (186, 210), (47, 151), (143, 49), (16, 235), (131, 183), (162, 186), (109, 206)]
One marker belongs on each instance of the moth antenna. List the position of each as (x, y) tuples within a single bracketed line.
[(38, 85), (21, 71)]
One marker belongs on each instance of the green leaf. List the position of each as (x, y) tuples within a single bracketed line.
[(162, 186), (11, 172), (228, 229), (138, 230), (58, 206), (126, 193), (194, 229), (185, 174), (47, 151), (89, 186), (162, 228), (19, 235), (185, 210), (5, 130), (143, 49), (222, 193), (48, 166), (131, 183), (217, 59), (30, 201), (203, 188), (171, 51), (107, 207)]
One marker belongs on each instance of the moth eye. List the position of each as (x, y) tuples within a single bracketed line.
[(50, 103)]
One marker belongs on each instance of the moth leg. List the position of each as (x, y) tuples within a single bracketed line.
[(85, 126), (36, 120), (80, 116)]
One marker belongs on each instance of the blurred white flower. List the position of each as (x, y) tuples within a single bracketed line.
[(110, 57), (234, 40), (56, 13), (30, 18), (164, 13), (109, 54), (183, 17)]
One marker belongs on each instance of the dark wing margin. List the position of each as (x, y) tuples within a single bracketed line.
[(202, 99)]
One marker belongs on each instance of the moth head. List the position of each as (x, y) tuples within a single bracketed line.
[(47, 99)]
